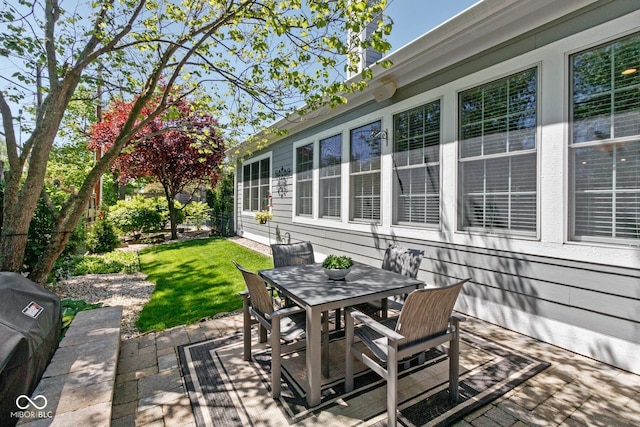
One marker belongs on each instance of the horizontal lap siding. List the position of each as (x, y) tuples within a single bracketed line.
[(564, 291)]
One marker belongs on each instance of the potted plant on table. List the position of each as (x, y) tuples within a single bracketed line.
[(263, 216), (337, 266)]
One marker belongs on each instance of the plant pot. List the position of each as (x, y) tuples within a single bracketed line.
[(337, 274), (262, 221)]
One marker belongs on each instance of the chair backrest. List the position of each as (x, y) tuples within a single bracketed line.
[(258, 293), (426, 312), (402, 260), (292, 254)]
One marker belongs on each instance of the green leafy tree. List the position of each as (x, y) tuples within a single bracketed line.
[(177, 152), (270, 55)]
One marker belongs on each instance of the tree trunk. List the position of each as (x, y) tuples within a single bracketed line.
[(172, 218), (18, 207)]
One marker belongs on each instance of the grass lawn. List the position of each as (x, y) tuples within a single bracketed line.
[(194, 279)]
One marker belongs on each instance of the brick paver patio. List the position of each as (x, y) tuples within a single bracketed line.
[(573, 391)]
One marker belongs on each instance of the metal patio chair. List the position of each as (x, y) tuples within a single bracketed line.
[(292, 254), (426, 321), (400, 260), (286, 324)]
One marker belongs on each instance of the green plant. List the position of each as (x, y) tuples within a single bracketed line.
[(197, 213), (111, 262), (137, 215), (102, 237), (40, 234), (263, 216), (337, 262)]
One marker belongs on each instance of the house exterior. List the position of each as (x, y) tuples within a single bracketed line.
[(505, 143)]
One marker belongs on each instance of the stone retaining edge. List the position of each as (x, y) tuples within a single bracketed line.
[(79, 382)]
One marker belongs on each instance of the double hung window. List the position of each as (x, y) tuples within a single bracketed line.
[(255, 185), (605, 142), (498, 159), (330, 176), (416, 163), (304, 180), (365, 172)]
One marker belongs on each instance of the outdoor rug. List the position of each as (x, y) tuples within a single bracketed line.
[(226, 390)]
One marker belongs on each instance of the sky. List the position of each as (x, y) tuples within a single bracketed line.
[(413, 18)]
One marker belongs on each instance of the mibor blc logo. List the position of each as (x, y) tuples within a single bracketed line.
[(31, 408)]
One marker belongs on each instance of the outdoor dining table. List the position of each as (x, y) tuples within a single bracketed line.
[(310, 287)]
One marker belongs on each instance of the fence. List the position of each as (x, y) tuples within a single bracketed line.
[(222, 225)]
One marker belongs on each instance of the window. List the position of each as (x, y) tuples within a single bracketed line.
[(330, 181), (498, 155), (304, 180), (416, 158), (605, 142), (255, 185), (365, 172)]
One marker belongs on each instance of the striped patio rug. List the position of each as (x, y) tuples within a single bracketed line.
[(227, 391)]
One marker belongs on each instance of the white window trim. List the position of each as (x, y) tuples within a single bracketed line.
[(569, 182), (489, 78), (384, 179), (314, 181), (393, 222), (317, 195), (255, 159)]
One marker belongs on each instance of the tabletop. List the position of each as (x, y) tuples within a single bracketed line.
[(309, 285)]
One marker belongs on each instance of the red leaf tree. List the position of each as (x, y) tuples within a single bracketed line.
[(179, 149)]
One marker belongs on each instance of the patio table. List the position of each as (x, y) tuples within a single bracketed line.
[(309, 286)]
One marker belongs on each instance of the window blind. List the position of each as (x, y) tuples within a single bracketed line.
[(498, 162), (304, 180), (605, 146), (365, 172), (330, 176), (416, 158)]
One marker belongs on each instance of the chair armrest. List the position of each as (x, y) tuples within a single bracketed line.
[(288, 311), (458, 317), (376, 326), (244, 294)]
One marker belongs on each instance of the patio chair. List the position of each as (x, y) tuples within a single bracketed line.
[(286, 324), (399, 260), (288, 254), (425, 321), (292, 254)]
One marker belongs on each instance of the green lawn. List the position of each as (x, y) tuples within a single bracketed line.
[(194, 279)]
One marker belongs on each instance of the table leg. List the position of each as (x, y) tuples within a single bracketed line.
[(325, 344), (314, 376)]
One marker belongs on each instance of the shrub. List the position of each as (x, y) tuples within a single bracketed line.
[(102, 237), (197, 213), (137, 215), (41, 229)]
